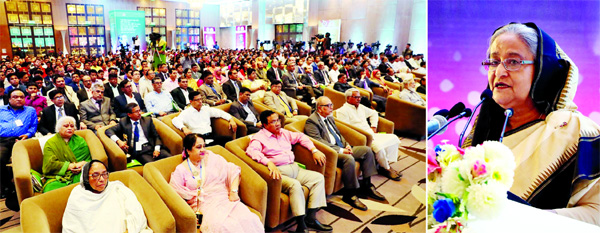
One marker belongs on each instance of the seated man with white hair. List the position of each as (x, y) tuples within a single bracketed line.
[(385, 146), (409, 92), (97, 111)]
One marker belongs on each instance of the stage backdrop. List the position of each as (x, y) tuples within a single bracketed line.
[(125, 24), (458, 39), (332, 26)]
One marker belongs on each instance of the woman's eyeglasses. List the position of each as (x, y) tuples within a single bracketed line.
[(510, 64), (98, 175)]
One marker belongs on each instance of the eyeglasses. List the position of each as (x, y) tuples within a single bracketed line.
[(510, 64), (98, 175), (59, 97), (355, 97), (326, 105)]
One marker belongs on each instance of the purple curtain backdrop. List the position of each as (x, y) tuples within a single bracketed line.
[(458, 39)]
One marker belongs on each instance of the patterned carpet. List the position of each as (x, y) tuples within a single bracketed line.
[(403, 211)]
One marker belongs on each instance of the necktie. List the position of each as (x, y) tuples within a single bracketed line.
[(314, 82), (99, 103), (136, 135), (325, 77), (237, 89), (277, 74), (60, 112), (288, 110), (215, 91), (338, 141)]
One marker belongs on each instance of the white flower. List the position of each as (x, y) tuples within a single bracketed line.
[(454, 181), (485, 201), (477, 152), (496, 151), (502, 173), (448, 155)]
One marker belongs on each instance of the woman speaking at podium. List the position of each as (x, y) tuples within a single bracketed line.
[(556, 148)]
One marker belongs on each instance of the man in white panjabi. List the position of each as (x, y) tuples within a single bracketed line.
[(385, 146)]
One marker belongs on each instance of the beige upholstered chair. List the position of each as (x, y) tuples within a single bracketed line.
[(407, 117), (27, 155), (44, 213), (220, 126), (253, 189), (278, 203), (383, 125)]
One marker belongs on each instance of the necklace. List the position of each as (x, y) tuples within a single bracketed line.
[(194, 174)]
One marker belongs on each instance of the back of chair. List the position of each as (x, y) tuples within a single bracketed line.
[(168, 120), (117, 157), (407, 117), (337, 98), (169, 137)]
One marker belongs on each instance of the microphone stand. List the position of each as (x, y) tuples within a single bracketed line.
[(508, 113), (462, 134), (446, 125)]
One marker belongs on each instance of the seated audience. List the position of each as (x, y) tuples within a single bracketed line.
[(35, 99), (70, 95), (272, 147), (278, 100), (244, 110), (196, 119), (159, 102), (366, 83), (212, 92), (311, 83), (422, 88), (187, 74), (321, 126), (96, 205), (17, 122), (342, 86), (96, 112), (385, 146), (322, 75), (64, 155), (409, 92), (210, 184), (170, 82), (86, 92), (137, 136), (59, 108), (181, 93), (15, 83), (129, 96), (111, 88), (257, 86)]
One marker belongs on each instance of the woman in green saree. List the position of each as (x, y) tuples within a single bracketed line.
[(64, 155)]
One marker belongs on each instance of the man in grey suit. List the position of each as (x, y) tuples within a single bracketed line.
[(244, 110), (96, 111), (321, 126), (278, 100), (143, 142)]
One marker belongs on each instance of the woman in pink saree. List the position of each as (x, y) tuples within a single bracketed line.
[(209, 184)]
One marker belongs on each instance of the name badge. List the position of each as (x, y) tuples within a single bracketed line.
[(138, 146), (18, 122)]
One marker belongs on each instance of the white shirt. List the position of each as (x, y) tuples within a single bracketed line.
[(331, 137), (141, 140), (115, 90), (411, 96), (333, 74), (199, 121), (131, 99), (358, 116), (185, 94), (399, 66), (159, 102), (62, 108), (169, 84), (145, 87)]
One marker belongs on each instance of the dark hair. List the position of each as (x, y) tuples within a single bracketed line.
[(93, 71), (29, 84), (156, 78), (11, 74), (186, 70), (112, 76), (193, 94), (231, 71), (35, 79), (53, 93), (129, 107), (56, 78), (188, 143), (85, 174), (264, 115), (244, 90), (206, 74), (123, 83), (275, 82)]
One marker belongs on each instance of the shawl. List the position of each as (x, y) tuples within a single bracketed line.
[(116, 209), (58, 154), (557, 158)]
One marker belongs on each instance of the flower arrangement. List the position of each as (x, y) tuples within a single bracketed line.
[(467, 183)]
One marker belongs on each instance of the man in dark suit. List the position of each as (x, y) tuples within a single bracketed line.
[(321, 75), (244, 110), (321, 126), (163, 73), (52, 113), (96, 112), (137, 136), (181, 94), (85, 93), (111, 88), (385, 65), (128, 96), (311, 82), (365, 83), (275, 73), (348, 71), (232, 86)]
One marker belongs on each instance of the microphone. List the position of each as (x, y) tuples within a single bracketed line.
[(466, 113), (486, 95), (443, 112), (455, 110), (508, 113), (435, 123)]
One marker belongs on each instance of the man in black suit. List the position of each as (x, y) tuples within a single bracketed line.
[(244, 110), (385, 65), (52, 113), (275, 73), (365, 83), (111, 88), (137, 136), (181, 94), (232, 86), (348, 71), (321, 75), (321, 126), (128, 96), (86, 92), (310, 81), (163, 73)]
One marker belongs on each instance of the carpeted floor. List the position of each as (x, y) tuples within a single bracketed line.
[(403, 211)]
